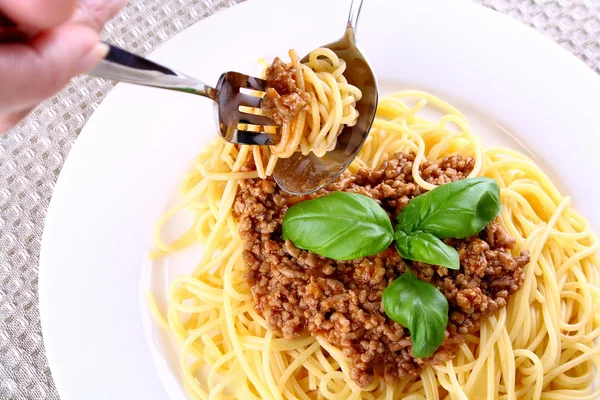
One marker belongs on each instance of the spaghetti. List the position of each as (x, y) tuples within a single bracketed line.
[(544, 345), (312, 101)]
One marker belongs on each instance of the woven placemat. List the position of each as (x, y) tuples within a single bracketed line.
[(32, 155)]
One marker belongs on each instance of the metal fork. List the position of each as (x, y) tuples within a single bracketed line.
[(121, 65)]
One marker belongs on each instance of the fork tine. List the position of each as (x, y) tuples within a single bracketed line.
[(252, 102), (251, 82), (247, 100), (260, 138), (231, 99), (245, 81), (254, 119), (256, 83)]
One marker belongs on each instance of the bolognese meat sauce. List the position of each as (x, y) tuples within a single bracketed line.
[(283, 98), (300, 293)]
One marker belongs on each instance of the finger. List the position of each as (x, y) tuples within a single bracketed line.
[(96, 13), (31, 72), (9, 121), (38, 14)]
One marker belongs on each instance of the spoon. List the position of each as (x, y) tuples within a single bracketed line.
[(302, 175)]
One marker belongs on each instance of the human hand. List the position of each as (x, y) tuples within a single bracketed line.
[(62, 42)]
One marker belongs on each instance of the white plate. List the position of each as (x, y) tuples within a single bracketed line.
[(128, 160)]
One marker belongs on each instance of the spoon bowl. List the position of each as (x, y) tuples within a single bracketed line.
[(301, 174)]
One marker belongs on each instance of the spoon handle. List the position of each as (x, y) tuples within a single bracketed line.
[(355, 8), (121, 65)]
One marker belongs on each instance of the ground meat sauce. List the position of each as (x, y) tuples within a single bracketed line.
[(284, 98), (299, 292)]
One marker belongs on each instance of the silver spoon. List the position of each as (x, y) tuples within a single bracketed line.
[(306, 174)]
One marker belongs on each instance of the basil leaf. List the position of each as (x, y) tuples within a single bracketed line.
[(340, 226), (421, 308), (424, 247), (459, 209)]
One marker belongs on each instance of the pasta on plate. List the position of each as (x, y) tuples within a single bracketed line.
[(536, 337)]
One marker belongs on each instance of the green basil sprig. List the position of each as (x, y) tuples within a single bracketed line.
[(423, 246), (421, 308), (340, 226), (345, 226), (459, 209), (455, 210)]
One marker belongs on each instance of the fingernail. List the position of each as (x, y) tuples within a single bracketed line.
[(93, 57)]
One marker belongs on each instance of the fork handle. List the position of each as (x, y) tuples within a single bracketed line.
[(355, 7), (123, 66)]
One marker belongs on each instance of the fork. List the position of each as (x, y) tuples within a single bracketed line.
[(121, 65)]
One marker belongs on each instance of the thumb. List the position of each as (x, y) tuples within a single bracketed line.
[(33, 71)]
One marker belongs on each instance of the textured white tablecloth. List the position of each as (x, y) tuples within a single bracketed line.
[(32, 155)]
